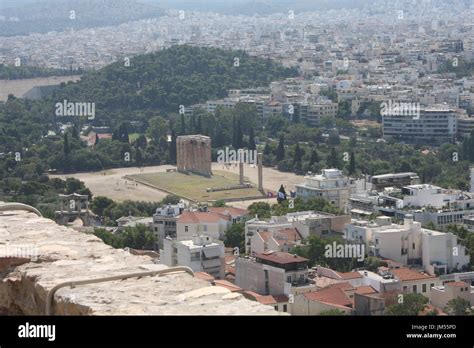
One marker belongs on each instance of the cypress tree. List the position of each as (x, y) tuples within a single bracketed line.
[(280, 152)]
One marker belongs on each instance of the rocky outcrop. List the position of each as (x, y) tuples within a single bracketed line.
[(36, 254)]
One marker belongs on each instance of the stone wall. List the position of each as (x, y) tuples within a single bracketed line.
[(66, 255), (193, 154)]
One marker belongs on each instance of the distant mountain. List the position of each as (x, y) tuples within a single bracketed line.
[(56, 15), (261, 7)]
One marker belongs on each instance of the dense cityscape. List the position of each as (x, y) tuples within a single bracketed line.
[(314, 160)]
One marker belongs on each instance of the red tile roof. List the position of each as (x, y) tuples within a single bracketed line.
[(332, 295), (457, 284), (281, 257), (234, 212), (228, 285), (194, 217), (265, 235), (272, 299), (204, 276), (365, 290), (350, 275), (291, 233), (406, 274), (342, 285)]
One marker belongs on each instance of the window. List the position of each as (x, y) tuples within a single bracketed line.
[(414, 289), (405, 288), (431, 285), (462, 289), (288, 279), (285, 308), (204, 227), (186, 229), (276, 308), (423, 288), (413, 246)]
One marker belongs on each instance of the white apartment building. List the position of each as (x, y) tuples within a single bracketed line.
[(441, 253), (408, 244), (426, 195), (434, 125), (164, 222), (400, 243), (200, 253), (331, 185), (192, 223)]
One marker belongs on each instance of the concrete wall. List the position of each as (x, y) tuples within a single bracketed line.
[(214, 230), (419, 286), (251, 276)]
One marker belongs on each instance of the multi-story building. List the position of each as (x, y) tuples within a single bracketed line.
[(441, 253), (272, 273), (409, 244), (191, 223), (282, 240), (432, 125), (380, 182), (319, 111), (330, 185), (164, 222), (305, 224), (442, 294), (413, 282), (200, 253)]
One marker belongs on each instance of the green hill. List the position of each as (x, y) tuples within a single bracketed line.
[(180, 75)]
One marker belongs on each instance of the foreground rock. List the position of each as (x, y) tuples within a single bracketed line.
[(39, 254)]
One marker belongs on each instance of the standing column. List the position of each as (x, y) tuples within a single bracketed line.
[(241, 172), (260, 171)]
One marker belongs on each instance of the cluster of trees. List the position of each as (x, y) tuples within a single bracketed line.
[(109, 210), (11, 72), (264, 210), (413, 304), (138, 237), (40, 192), (180, 75), (144, 99)]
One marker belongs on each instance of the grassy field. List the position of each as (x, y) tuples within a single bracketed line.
[(194, 186)]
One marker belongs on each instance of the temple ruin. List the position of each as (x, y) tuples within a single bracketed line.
[(193, 154)]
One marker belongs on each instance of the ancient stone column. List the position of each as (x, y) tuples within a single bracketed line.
[(241, 172), (260, 171)]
